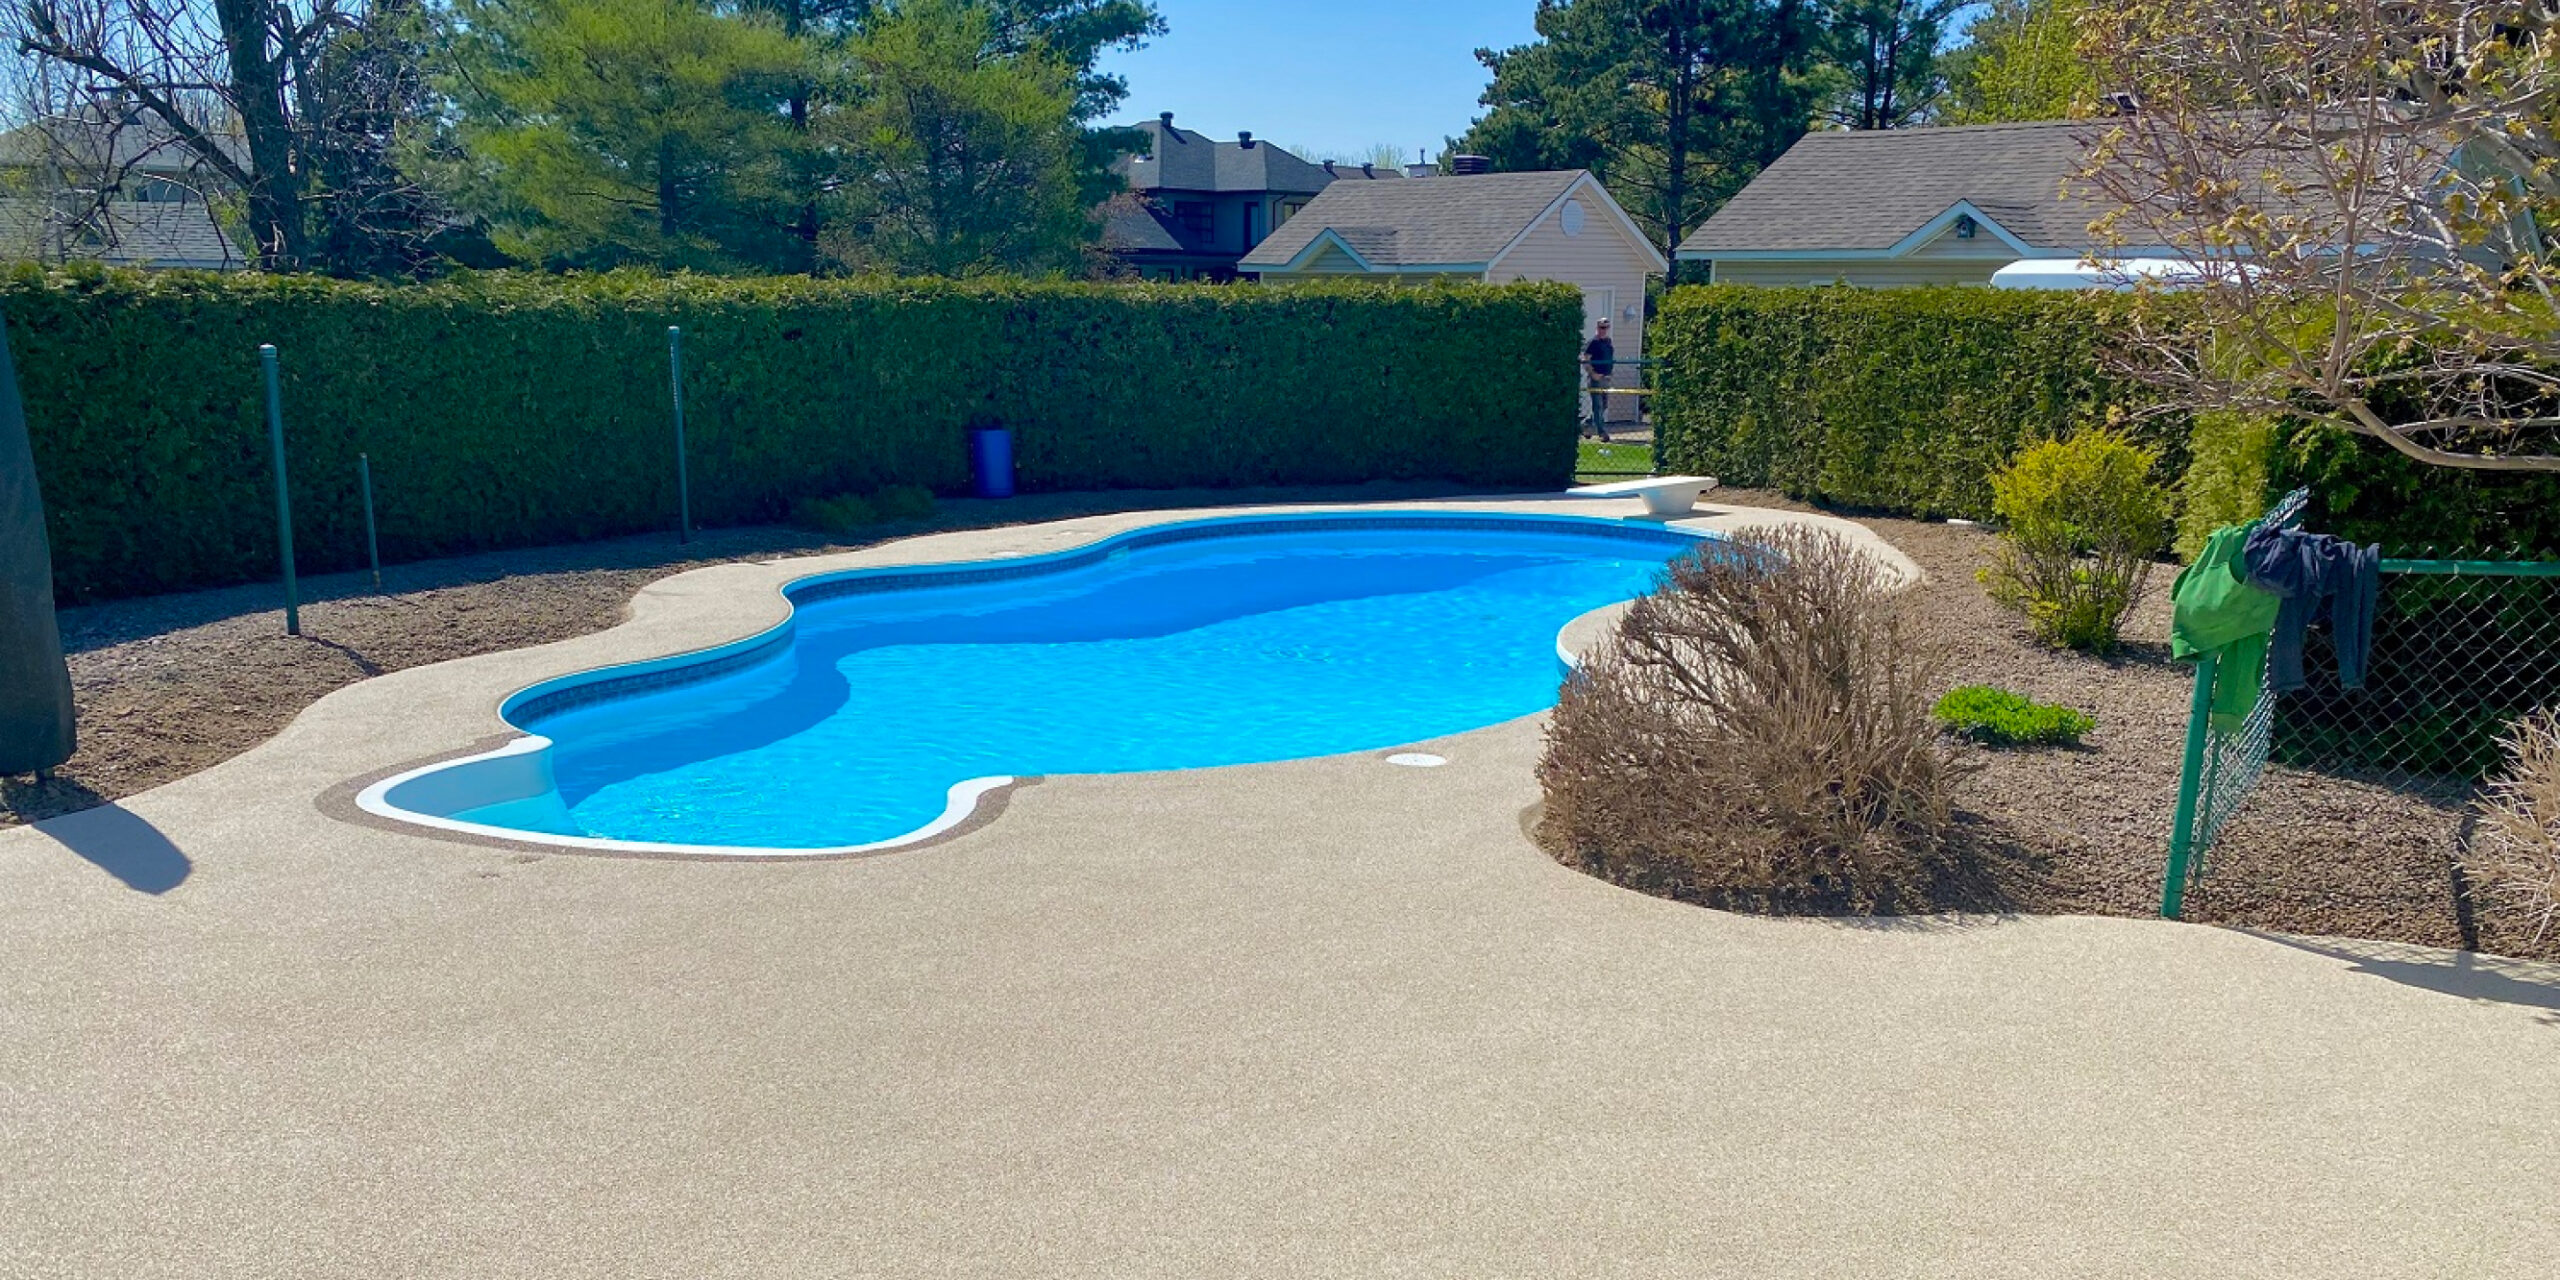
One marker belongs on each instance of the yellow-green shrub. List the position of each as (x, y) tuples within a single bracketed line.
[(509, 410), (2081, 525)]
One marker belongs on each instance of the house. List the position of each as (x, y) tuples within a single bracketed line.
[(1893, 207), (112, 184), (1495, 227), (1196, 204)]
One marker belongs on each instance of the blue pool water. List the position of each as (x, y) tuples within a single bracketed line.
[(1220, 642)]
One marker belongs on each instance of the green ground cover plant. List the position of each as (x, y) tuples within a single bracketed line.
[(507, 410), (2082, 524), (2002, 718), (850, 512)]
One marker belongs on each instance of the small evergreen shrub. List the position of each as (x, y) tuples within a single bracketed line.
[(2000, 718), (2082, 524), (848, 512)]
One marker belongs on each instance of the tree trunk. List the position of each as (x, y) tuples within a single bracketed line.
[(257, 90)]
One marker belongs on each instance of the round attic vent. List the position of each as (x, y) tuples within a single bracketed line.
[(1571, 218)]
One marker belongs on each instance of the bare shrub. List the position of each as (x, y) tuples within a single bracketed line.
[(1757, 734), (2514, 859)]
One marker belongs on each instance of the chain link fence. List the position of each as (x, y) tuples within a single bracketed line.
[(2461, 649)]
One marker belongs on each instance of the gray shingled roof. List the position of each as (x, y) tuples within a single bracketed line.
[(1187, 160), (1869, 189), (1441, 220), (1131, 225), (137, 142), (122, 232)]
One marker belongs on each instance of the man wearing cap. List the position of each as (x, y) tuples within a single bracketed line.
[(1599, 357)]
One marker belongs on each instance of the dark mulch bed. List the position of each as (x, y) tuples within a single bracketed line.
[(2086, 830), (169, 685)]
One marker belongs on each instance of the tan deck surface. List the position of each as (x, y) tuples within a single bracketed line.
[(1324, 1018)]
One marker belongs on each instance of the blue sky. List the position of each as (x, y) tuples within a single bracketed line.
[(1324, 75)]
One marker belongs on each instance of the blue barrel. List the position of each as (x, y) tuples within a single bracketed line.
[(991, 461)]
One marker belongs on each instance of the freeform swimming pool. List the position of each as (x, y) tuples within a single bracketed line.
[(894, 698)]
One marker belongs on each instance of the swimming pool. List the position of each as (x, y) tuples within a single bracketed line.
[(894, 698)]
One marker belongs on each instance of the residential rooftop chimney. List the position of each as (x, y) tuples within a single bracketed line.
[(1244, 138), (1368, 170), (1470, 164), (1166, 117)]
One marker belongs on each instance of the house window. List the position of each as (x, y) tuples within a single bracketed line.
[(1198, 217), (1288, 209)]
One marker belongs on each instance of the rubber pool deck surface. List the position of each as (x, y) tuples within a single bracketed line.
[(1325, 1018)]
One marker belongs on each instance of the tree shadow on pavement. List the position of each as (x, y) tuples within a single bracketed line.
[(2469, 975), (119, 842)]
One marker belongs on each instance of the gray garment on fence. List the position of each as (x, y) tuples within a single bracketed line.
[(2307, 571), (35, 688)]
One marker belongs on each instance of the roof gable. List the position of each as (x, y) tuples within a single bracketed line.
[(1877, 191), (1444, 222)]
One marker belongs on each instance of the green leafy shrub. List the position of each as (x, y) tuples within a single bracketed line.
[(2082, 524), (903, 502), (1897, 400), (511, 410), (843, 513), (849, 512), (2001, 718), (2232, 455)]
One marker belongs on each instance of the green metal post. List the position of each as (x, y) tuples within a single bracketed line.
[(372, 547), (2182, 824), (675, 388), (284, 496)]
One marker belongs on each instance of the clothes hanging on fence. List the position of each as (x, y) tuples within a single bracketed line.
[(2315, 575), (2216, 610)]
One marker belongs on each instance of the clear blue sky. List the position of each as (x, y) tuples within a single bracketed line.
[(1327, 75)]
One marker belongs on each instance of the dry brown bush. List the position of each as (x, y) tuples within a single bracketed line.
[(1757, 735), (2514, 860)]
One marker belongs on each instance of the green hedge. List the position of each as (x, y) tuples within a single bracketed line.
[(1901, 400), (506, 410)]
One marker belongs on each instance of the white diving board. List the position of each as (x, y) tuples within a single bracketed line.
[(1663, 495)]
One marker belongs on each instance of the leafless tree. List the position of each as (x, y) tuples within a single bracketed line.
[(2356, 185), (272, 101)]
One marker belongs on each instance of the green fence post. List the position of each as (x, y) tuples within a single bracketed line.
[(372, 545), (675, 389), (2182, 823), (284, 497)]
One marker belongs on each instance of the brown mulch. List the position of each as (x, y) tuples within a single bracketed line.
[(169, 685), (173, 684), (2309, 854)]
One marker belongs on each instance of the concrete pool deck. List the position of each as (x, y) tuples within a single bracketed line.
[(1326, 1017)]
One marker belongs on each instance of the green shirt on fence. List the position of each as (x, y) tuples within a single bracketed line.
[(2216, 610)]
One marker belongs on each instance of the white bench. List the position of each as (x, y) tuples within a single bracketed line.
[(1663, 495)]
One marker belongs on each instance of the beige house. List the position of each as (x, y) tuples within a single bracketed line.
[(1495, 227), (1898, 207)]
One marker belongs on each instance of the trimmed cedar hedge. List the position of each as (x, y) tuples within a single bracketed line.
[(508, 410), (1906, 400), (1900, 400)]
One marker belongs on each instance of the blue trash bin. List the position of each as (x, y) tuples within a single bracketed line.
[(991, 461)]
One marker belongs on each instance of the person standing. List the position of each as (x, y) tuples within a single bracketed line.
[(1599, 359)]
